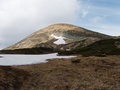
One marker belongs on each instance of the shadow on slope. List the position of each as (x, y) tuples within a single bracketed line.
[(99, 48)]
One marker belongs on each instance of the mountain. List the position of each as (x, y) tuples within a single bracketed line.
[(59, 36)]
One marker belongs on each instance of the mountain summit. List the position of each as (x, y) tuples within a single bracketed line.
[(58, 35)]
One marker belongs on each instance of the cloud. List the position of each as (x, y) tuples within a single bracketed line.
[(19, 18), (102, 16), (84, 13), (84, 8), (97, 19), (37, 10)]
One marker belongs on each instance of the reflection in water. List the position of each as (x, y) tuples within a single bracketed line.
[(10, 59)]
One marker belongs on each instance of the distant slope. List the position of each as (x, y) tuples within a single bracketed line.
[(99, 48), (77, 44), (70, 32)]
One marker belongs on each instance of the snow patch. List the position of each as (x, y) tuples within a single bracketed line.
[(10, 59), (60, 39)]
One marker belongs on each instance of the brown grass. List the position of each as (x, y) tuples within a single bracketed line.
[(12, 78), (91, 73)]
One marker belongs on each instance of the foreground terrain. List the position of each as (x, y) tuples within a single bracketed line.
[(80, 73)]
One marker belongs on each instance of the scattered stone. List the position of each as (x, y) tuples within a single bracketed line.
[(75, 61), (1, 56), (117, 43)]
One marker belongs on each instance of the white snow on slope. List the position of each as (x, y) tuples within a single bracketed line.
[(60, 39)]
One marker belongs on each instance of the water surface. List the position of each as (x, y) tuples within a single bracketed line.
[(12, 59)]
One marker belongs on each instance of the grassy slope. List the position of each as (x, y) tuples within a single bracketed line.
[(106, 47)]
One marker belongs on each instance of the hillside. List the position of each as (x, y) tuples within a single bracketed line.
[(47, 36), (99, 48)]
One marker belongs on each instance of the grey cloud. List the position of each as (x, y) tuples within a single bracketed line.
[(19, 18)]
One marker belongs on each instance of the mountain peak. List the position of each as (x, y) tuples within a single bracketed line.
[(62, 27)]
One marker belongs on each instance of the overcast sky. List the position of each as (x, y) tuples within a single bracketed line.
[(19, 18)]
